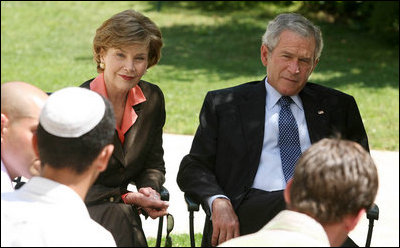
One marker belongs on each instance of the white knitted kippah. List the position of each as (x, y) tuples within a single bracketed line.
[(72, 112)]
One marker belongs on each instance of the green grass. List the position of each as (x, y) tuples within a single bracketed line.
[(49, 44), (178, 240)]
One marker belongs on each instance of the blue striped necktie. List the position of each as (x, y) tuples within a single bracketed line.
[(289, 143)]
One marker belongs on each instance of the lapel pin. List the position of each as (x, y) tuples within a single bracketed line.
[(320, 112)]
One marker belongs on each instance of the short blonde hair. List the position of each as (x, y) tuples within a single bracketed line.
[(334, 178), (127, 28)]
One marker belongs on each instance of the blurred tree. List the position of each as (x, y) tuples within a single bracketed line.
[(222, 5), (378, 17), (384, 20)]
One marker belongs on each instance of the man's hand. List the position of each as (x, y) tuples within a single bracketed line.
[(225, 221)]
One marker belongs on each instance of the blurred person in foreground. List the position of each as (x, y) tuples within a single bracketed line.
[(334, 183), (20, 108), (124, 47), (74, 144), (250, 136)]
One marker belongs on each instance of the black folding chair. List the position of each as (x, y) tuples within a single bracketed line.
[(193, 206), (372, 214), (170, 227), (164, 194)]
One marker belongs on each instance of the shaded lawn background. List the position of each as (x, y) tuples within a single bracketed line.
[(49, 44)]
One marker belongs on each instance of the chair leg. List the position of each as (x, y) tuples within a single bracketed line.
[(369, 235), (159, 233), (372, 215), (191, 229)]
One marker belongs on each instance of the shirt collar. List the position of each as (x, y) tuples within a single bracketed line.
[(6, 181), (49, 191), (135, 96), (273, 97), (3, 168), (300, 223)]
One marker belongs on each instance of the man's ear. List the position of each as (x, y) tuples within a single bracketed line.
[(264, 54), (35, 168), (4, 125), (286, 192), (351, 221), (101, 161), (35, 144), (315, 64)]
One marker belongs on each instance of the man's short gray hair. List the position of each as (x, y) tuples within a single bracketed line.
[(296, 23)]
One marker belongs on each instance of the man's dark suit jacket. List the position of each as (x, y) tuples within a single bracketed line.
[(139, 160), (227, 146)]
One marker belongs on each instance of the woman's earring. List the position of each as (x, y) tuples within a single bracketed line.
[(102, 65)]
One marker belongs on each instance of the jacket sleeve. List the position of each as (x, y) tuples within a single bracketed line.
[(355, 128), (196, 175)]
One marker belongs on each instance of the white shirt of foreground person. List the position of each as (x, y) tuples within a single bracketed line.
[(46, 213), (288, 228), (6, 183)]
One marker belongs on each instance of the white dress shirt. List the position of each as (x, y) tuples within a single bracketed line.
[(6, 183), (269, 176), (46, 213)]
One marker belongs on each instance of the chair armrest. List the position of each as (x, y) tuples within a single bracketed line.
[(373, 212), (191, 204), (164, 194)]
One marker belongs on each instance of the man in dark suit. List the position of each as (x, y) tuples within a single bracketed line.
[(234, 167)]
